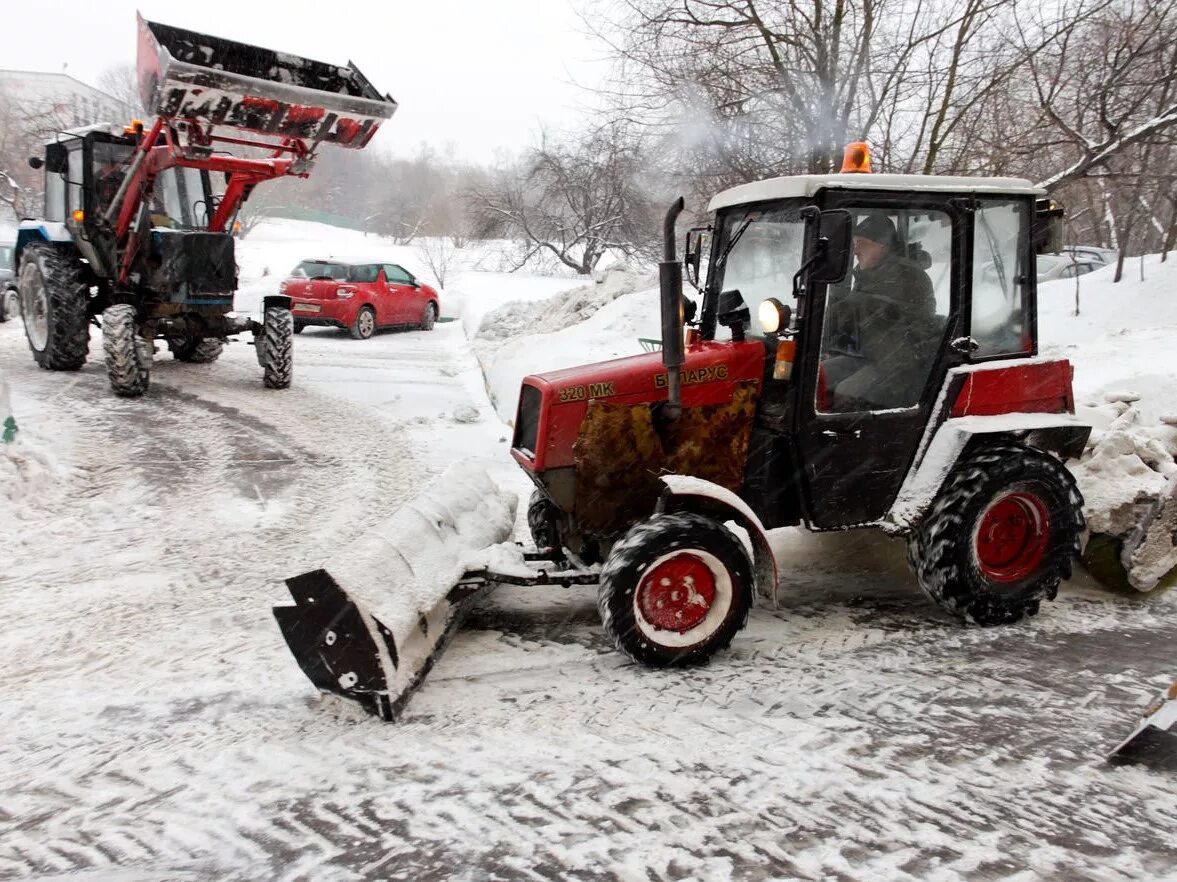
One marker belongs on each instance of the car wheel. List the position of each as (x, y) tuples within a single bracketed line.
[(429, 316), (365, 324)]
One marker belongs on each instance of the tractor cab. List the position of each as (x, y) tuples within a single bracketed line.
[(86, 177), (866, 291)]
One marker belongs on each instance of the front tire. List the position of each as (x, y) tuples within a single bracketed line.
[(675, 590), (365, 324), (277, 348), (55, 297), (541, 521), (428, 317), (1001, 535), (128, 356)]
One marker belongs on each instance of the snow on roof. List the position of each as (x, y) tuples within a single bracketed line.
[(793, 186)]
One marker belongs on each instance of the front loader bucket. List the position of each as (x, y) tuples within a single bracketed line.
[(186, 75), (1154, 741), (372, 630)]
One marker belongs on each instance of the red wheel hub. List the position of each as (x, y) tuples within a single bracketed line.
[(1012, 537), (677, 593)]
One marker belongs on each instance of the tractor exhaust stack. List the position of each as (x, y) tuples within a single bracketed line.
[(670, 289)]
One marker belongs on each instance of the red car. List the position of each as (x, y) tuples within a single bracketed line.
[(361, 297)]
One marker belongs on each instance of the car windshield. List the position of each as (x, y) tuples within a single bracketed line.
[(317, 269), (765, 257)]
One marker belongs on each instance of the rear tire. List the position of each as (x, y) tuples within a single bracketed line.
[(365, 324), (277, 348), (128, 356), (428, 317), (55, 296), (1001, 535), (196, 350), (675, 590)]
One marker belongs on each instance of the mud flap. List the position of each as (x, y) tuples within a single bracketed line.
[(1154, 741)]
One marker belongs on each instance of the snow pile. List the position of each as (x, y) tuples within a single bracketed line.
[(1126, 384), (563, 310), (592, 323), (28, 470)]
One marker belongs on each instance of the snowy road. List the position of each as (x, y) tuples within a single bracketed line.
[(155, 727)]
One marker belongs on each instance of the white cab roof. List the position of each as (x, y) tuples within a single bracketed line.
[(794, 186)]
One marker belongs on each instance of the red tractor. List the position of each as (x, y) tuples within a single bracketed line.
[(899, 388), (138, 221)]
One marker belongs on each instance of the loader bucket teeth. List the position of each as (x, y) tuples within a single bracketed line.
[(339, 648)]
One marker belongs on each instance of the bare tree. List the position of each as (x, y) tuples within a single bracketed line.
[(439, 253), (575, 199)]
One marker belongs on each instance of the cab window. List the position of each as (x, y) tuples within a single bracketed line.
[(1001, 252), (884, 324), (397, 275)]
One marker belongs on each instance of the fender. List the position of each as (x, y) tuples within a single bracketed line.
[(31, 232), (684, 493), (1061, 433)]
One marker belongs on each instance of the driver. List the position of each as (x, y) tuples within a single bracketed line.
[(892, 305)]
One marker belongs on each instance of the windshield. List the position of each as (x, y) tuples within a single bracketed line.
[(763, 260), (5, 257)]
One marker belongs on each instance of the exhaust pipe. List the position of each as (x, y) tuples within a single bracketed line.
[(670, 288)]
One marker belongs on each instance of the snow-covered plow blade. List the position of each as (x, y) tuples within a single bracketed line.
[(371, 629), (186, 75), (1154, 741)]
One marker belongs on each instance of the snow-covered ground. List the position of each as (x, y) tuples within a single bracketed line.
[(155, 726)]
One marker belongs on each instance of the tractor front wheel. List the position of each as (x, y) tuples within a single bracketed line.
[(1000, 536), (675, 590), (55, 297), (128, 356), (276, 348)]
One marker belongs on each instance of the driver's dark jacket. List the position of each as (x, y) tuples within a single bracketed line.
[(894, 307)]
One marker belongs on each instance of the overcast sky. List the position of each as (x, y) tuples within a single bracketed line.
[(478, 74)]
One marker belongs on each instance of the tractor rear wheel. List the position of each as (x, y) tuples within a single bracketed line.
[(128, 356), (55, 297), (196, 350), (276, 348), (1001, 534), (675, 590)]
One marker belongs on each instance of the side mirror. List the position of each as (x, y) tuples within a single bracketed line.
[(833, 247), (36, 162), (693, 253)]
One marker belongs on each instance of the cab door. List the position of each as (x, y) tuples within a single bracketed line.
[(876, 352)]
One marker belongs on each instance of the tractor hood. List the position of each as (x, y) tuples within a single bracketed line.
[(552, 405)]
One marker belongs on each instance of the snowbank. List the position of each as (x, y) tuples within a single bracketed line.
[(590, 323), (28, 471), (1126, 383)]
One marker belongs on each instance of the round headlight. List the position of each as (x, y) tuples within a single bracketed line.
[(772, 315)]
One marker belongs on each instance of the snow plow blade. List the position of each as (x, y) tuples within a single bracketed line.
[(1154, 741), (372, 630), (186, 75)]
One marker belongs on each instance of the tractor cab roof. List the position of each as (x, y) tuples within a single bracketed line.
[(794, 186)]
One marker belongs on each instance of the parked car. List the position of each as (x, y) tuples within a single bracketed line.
[(1064, 266), (1091, 253), (359, 296), (9, 305)]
